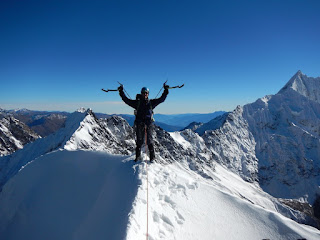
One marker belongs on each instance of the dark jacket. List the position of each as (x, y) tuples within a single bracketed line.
[(144, 107)]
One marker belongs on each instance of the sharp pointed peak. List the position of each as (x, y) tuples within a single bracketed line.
[(298, 74), (303, 85), (292, 82)]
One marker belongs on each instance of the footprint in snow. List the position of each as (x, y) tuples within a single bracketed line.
[(168, 200), (179, 218), (193, 185)]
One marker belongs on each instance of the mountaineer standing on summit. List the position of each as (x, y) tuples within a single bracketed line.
[(144, 117)]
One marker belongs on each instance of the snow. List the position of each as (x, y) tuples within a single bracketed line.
[(7, 132), (95, 195), (71, 185), (82, 110), (286, 132), (14, 135), (69, 195), (83, 134), (177, 136), (11, 164), (183, 205), (304, 85)]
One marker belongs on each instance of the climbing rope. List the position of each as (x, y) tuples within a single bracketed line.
[(145, 138)]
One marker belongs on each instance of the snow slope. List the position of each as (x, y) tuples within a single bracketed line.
[(183, 205), (10, 165), (88, 195), (69, 195)]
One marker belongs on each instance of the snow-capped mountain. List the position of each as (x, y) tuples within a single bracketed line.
[(113, 135), (81, 182), (14, 134), (286, 129), (274, 141), (82, 130), (232, 144), (11, 164)]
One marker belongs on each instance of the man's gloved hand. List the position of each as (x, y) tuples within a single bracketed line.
[(165, 86), (120, 89)]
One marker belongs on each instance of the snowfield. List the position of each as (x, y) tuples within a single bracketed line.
[(69, 195), (94, 195)]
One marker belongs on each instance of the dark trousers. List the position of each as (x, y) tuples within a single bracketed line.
[(143, 130)]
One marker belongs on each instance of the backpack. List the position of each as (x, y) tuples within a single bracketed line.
[(139, 98)]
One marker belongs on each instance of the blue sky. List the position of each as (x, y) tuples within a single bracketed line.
[(57, 55)]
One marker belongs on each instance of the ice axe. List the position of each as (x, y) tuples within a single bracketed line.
[(179, 86), (116, 90), (109, 90)]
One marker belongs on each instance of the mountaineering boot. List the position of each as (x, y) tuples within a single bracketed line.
[(151, 152), (138, 154)]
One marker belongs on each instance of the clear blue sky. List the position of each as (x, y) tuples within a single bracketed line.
[(57, 55)]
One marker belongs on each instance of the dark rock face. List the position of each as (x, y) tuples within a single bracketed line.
[(14, 134)]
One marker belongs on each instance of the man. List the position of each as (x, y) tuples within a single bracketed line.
[(144, 117)]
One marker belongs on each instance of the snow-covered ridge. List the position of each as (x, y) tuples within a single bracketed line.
[(112, 135), (184, 205), (11, 164), (82, 130), (94, 195)]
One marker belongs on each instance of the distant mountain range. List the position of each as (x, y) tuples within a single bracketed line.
[(44, 123), (81, 183), (272, 144)]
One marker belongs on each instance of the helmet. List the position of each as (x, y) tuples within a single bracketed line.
[(144, 89)]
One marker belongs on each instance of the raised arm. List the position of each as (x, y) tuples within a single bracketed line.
[(130, 102), (157, 101)]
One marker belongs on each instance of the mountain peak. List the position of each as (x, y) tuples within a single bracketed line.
[(299, 73), (295, 81), (82, 110), (308, 87)]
